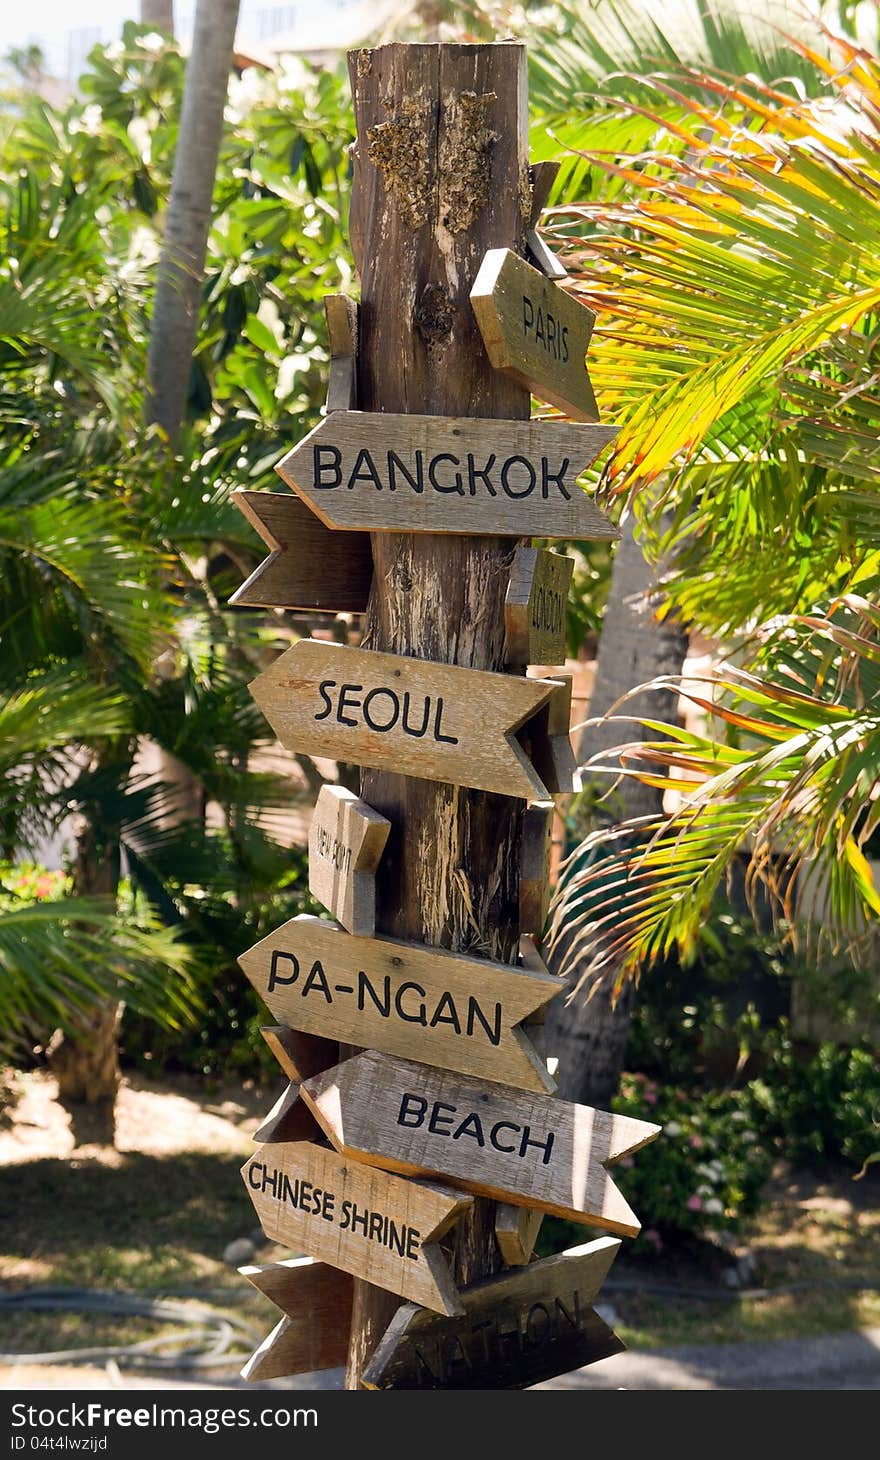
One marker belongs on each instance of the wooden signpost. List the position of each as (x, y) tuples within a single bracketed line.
[(534, 609), (415, 501), (534, 877), (535, 332), (516, 1330), (380, 472), (426, 1004), (436, 721), (527, 1149), (373, 1225), (309, 567), (317, 1301), (346, 840)]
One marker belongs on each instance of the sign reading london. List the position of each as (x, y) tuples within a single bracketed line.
[(440, 722), (527, 1149), (375, 1226), (379, 472), (423, 1003)]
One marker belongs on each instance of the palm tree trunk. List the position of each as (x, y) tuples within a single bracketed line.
[(85, 1061), (159, 14), (589, 1036), (178, 290)]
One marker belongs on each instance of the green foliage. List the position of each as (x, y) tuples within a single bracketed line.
[(115, 559), (818, 1106)]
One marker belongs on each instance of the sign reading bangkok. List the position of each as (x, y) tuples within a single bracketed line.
[(378, 472)]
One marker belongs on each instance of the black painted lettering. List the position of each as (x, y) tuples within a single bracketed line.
[(456, 488), (370, 700), (436, 1117), (537, 1332), (446, 1013), (394, 1240), (395, 465), (539, 327), (409, 729), (412, 1105), (277, 979), (321, 468), (499, 1126), (346, 702), (438, 733), (382, 1002), (547, 476), (358, 1219), (506, 483), (528, 314), (254, 1168), (374, 1232), (270, 1179), (472, 1127), (413, 1242), (475, 1015), (345, 1216), (364, 471), (546, 1145), (328, 1205), (474, 472), (317, 979), (328, 703), (551, 336), (565, 352), (419, 1015), (572, 1319)]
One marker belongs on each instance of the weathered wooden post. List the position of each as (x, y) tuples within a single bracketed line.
[(441, 174), (426, 971)]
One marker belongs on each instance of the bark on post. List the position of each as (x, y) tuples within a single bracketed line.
[(440, 175)]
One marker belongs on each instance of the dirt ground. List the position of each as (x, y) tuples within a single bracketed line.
[(155, 1215)]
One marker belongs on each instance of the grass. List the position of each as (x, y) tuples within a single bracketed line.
[(158, 1222)]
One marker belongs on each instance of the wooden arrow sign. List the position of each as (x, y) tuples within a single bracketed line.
[(542, 176), (346, 841), (516, 1232), (317, 1301), (374, 1226), (534, 332), (534, 609), (309, 567), (299, 1055), (377, 472), (530, 1150), (534, 870), (516, 1330), (289, 1120), (426, 1004), (440, 722)]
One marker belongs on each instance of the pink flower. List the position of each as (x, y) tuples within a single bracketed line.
[(650, 1097), (696, 1142), (694, 1203), (654, 1238)]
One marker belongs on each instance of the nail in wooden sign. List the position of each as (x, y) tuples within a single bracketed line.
[(425, 1004), (440, 722), (377, 472), (309, 567), (375, 1226), (317, 1302), (534, 609), (530, 1150), (534, 332), (346, 841), (517, 1329)]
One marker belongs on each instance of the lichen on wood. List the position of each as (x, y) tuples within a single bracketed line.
[(464, 161), (400, 149)]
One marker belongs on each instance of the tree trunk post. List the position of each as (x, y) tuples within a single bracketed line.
[(440, 176), (179, 285)]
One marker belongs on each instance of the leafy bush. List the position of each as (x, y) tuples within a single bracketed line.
[(818, 1107), (704, 1174)]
